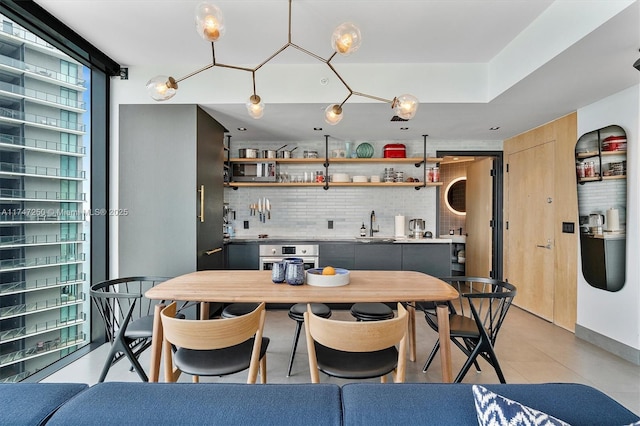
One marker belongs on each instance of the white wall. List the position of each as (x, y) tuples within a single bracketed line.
[(616, 315)]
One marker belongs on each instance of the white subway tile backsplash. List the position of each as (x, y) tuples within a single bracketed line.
[(304, 211)]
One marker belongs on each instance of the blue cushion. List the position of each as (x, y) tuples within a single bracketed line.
[(495, 410), (203, 403), (33, 403), (453, 404)]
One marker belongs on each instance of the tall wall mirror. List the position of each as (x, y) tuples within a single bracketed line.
[(601, 175)]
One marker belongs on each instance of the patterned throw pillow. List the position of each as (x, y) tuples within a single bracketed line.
[(495, 410)]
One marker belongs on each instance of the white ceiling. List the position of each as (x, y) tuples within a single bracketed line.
[(473, 64)]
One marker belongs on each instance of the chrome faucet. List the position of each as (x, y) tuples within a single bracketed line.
[(372, 219)]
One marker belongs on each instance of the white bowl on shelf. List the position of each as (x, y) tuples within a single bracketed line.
[(340, 177), (359, 179)]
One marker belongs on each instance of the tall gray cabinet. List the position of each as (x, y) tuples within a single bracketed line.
[(170, 192)]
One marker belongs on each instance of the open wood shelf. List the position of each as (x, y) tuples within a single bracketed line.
[(331, 185), (410, 160)]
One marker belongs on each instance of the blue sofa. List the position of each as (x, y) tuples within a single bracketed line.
[(295, 404), (34, 403)]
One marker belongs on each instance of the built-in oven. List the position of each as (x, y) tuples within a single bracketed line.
[(272, 253)]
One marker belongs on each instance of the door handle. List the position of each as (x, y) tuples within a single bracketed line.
[(210, 252), (548, 246), (201, 191)]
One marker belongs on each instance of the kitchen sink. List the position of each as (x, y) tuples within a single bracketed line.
[(375, 239)]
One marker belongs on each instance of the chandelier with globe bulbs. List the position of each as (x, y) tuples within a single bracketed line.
[(345, 40)]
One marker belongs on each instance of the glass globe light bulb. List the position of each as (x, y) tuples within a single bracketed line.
[(209, 22), (406, 106), (333, 114), (162, 88), (346, 38), (255, 106)]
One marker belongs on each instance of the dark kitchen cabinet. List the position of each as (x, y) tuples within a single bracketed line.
[(242, 256), (170, 183), (339, 255), (378, 257), (432, 259)]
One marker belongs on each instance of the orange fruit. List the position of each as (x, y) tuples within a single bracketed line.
[(328, 270)]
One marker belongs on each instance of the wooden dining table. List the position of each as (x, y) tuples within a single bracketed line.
[(235, 286)]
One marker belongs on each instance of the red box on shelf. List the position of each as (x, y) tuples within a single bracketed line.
[(394, 150)]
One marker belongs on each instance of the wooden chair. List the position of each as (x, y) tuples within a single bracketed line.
[(216, 347), (357, 349)]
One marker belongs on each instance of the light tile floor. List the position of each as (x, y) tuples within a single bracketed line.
[(530, 350)]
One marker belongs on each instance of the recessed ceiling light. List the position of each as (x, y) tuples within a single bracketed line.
[(242, 129), (317, 129), (494, 128), (404, 128)]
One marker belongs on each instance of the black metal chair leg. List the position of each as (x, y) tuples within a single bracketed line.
[(469, 345), (294, 347), (467, 365), (432, 355), (496, 365)]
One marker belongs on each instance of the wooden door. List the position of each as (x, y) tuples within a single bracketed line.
[(479, 202), (529, 234)]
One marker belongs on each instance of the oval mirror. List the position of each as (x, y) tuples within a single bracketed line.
[(455, 195)]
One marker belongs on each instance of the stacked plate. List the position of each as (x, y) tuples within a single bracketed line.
[(340, 177), (359, 179)]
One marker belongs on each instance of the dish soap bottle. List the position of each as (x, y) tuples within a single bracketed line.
[(363, 230)]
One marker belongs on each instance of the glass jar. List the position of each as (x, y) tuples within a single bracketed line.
[(436, 174), (580, 170), (589, 169)]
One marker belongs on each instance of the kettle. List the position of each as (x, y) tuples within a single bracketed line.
[(417, 227), (596, 221)]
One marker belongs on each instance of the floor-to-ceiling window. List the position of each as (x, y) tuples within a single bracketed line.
[(44, 238), (53, 165)]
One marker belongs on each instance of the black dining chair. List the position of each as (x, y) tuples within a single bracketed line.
[(128, 318), (475, 320)]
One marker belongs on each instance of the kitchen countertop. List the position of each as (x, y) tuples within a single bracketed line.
[(364, 240), (609, 236)]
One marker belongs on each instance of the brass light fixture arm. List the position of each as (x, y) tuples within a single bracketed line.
[(364, 95), (289, 43), (206, 67)]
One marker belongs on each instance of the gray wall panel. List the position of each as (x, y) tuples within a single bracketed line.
[(157, 180)]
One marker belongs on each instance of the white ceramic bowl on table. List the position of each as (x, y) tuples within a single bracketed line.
[(314, 277)]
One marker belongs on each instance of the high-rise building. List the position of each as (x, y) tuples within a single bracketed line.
[(44, 203)]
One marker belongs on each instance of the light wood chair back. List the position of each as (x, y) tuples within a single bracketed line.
[(213, 334), (357, 336)]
